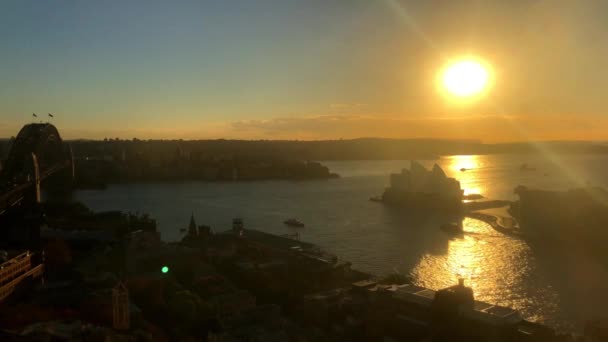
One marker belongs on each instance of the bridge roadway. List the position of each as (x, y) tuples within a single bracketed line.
[(15, 195)]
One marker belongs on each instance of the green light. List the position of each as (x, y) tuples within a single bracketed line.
[(165, 269)]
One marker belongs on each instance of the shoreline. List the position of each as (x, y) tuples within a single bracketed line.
[(503, 224)]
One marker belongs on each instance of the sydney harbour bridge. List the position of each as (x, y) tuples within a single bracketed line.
[(36, 154), (38, 157)]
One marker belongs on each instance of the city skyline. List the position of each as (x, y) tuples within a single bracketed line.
[(308, 71)]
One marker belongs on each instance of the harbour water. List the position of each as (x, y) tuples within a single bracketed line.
[(561, 288)]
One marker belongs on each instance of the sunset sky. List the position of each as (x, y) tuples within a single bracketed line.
[(303, 69)]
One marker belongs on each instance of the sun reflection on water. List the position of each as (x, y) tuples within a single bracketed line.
[(493, 265), (464, 162), (465, 168)]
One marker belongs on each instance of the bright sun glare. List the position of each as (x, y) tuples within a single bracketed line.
[(465, 78)]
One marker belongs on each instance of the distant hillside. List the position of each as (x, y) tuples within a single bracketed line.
[(355, 149), (300, 150)]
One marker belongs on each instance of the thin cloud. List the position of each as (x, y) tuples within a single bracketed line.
[(345, 106), (489, 128)]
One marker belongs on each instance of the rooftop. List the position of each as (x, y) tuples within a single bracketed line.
[(271, 240), (415, 294), (486, 312), (494, 314)]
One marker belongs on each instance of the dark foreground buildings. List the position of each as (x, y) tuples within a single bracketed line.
[(109, 284)]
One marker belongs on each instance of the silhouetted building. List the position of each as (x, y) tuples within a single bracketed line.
[(120, 306), (421, 189), (577, 215), (192, 231), (237, 225), (204, 231)]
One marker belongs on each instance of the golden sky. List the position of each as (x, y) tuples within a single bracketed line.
[(304, 70)]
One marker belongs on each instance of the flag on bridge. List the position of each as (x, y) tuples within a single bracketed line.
[(34, 115)]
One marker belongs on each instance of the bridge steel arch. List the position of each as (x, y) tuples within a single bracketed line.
[(44, 141)]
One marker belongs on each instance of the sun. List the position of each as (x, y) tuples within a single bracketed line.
[(465, 78)]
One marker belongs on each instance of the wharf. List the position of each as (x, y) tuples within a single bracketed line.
[(500, 219)]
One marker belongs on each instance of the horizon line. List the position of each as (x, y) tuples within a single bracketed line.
[(472, 140)]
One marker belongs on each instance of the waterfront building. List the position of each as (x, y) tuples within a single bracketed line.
[(577, 216), (419, 179), (410, 312), (422, 189)]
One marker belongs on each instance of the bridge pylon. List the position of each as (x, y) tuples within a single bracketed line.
[(71, 161), (35, 174)]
